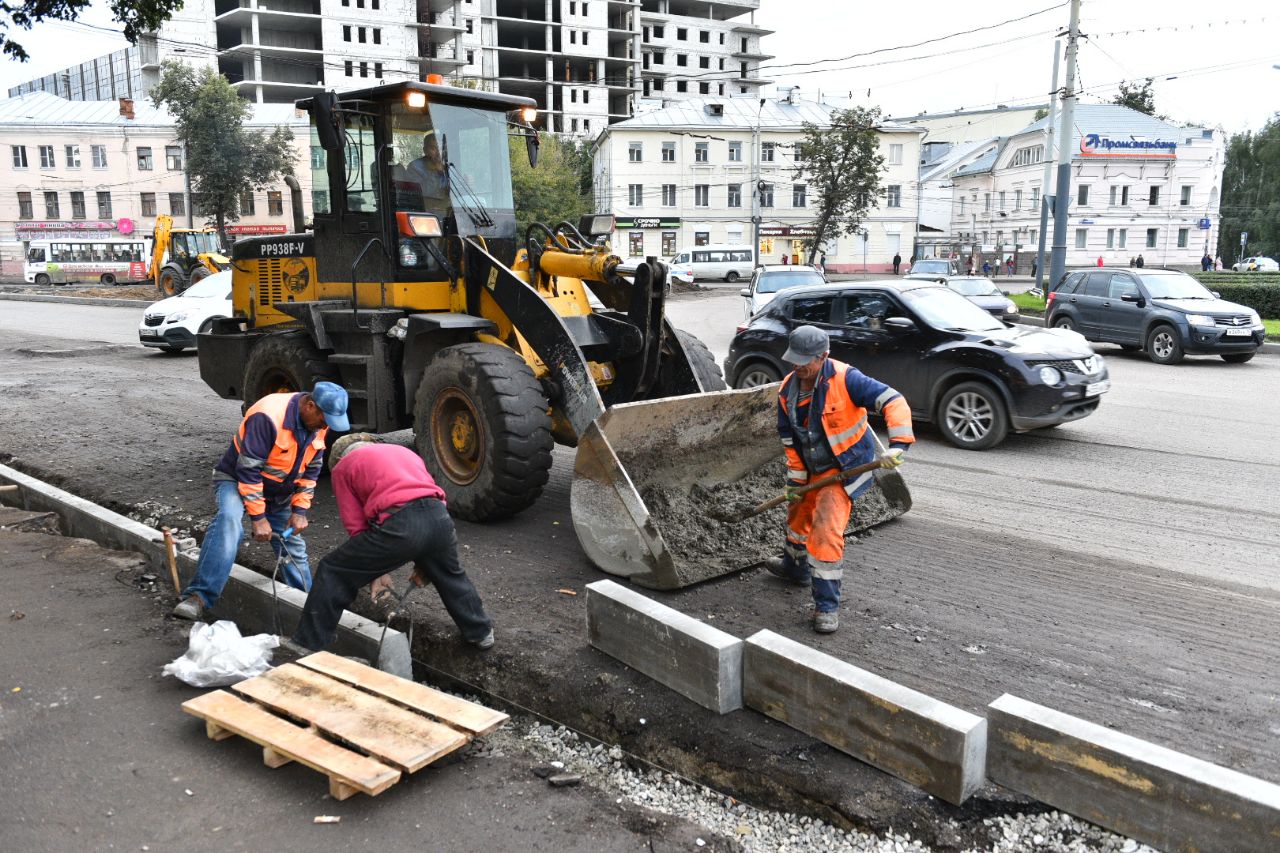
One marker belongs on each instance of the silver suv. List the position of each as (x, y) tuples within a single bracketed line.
[(933, 269)]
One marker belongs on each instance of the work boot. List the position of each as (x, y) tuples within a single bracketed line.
[(191, 608), (484, 643), (826, 622), (777, 567)]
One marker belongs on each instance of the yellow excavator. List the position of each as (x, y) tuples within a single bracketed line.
[(416, 293), (182, 256)]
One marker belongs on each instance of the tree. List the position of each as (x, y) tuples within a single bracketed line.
[(553, 191), (1040, 113), (1137, 96), (1250, 193), (137, 16), (842, 163), (224, 159)]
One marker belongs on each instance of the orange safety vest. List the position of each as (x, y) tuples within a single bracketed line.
[(281, 462)]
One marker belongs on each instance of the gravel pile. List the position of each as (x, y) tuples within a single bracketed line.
[(751, 829)]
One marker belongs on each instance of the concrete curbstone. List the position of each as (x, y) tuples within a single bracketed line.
[(932, 745), (692, 658), (101, 302), (247, 599), (1147, 792)]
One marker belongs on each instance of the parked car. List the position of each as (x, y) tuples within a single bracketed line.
[(958, 367), (675, 272), (984, 293), (720, 263), (1164, 312), (172, 324), (1256, 264), (933, 269), (767, 281)]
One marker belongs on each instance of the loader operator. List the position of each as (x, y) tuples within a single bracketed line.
[(423, 184), (822, 421), (395, 514), (268, 472)]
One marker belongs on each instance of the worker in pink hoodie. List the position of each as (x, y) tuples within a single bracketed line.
[(395, 514)]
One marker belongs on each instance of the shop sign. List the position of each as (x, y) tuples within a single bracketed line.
[(75, 225), (788, 231), (648, 222), (1096, 145), (1205, 224), (252, 230)]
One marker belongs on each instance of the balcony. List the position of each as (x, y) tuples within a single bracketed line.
[(441, 32)]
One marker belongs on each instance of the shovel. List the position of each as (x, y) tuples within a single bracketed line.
[(890, 481)]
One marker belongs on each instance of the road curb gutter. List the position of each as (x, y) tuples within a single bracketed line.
[(75, 300), (247, 599)]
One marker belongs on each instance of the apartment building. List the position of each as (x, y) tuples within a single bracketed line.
[(686, 175)]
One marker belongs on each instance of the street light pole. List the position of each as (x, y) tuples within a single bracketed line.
[(755, 186), (1048, 170), (1063, 193)]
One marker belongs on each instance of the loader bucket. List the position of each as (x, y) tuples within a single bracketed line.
[(652, 479)]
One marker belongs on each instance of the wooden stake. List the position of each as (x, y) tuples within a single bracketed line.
[(171, 551)]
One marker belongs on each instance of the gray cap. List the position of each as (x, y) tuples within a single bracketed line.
[(805, 344)]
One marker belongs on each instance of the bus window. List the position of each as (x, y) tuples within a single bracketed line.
[(98, 252), (36, 256)]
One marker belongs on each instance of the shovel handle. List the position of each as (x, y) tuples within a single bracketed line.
[(170, 552), (837, 477)]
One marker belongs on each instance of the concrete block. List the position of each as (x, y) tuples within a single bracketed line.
[(928, 743), (1157, 796), (246, 599), (692, 658)]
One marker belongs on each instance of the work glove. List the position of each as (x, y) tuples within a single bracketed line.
[(893, 457), (792, 494)]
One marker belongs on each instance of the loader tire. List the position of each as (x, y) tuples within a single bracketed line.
[(483, 427), (701, 361), (284, 362), (199, 274), (172, 281)]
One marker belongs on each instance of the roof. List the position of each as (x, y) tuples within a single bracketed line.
[(43, 108), (955, 156), (982, 164), (1117, 121), (994, 110), (743, 114), (436, 92)]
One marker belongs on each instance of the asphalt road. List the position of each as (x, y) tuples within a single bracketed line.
[(1123, 568)]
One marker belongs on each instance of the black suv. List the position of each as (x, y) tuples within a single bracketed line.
[(1165, 312), (959, 367)]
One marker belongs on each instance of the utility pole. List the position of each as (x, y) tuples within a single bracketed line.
[(755, 187), (186, 187), (1048, 170), (1062, 197)]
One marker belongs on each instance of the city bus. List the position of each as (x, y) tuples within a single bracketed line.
[(104, 261)]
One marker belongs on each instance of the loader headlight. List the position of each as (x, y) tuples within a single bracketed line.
[(415, 100), (596, 224), (528, 115), (418, 224)]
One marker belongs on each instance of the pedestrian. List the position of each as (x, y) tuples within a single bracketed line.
[(1100, 262), (1217, 264), (395, 514), (1035, 266), (268, 473), (1206, 263), (986, 268), (1009, 265), (897, 262), (838, 438), (1140, 262), (969, 269), (1133, 262), (822, 264)]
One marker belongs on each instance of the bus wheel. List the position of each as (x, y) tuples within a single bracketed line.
[(107, 279), (42, 279)]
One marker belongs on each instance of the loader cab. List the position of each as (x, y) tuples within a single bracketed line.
[(386, 161)]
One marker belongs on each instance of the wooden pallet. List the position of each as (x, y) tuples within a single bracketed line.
[(360, 727)]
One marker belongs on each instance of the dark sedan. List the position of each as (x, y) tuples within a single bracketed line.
[(984, 293), (972, 375)]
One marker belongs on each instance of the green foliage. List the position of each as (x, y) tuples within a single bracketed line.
[(842, 164), (137, 16), (1137, 96), (1027, 303), (224, 159), (555, 189), (1251, 194), (1260, 291), (1040, 113)]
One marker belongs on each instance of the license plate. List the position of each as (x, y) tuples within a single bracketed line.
[(1093, 389), (148, 333), (1239, 333)]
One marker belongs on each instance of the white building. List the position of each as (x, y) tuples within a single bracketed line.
[(101, 169), (586, 62), (684, 176), (1139, 186)]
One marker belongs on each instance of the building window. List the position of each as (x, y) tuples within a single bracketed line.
[(246, 204), (19, 156), (347, 67), (586, 125), (766, 152), (701, 238), (1183, 234), (46, 157), (1124, 196), (1027, 156), (645, 33), (766, 194), (177, 204), (145, 163), (1035, 198), (275, 203), (668, 243), (104, 205), (682, 59), (682, 86), (346, 32), (702, 195), (1111, 238), (573, 36), (962, 205), (735, 152), (701, 152), (1002, 198), (668, 152), (99, 156), (1082, 237), (1185, 200), (148, 204), (377, 70), (173, 158), (364, 69), (635, 194), (895, 154), (1153, 198), (1152, 235), (1082, 195), (73, 156), (586, 96), (657, 85), (659, 57), (635, 152), (77, 205), (682, 34), (704, 36), (1122, 238), (742, 72), (25, 209), (573, 96), (986, 202), (377, 36), (668, 195), (586, 37), (659, 32), (704, 88), (1017, 199), (735, 195), (704, 62), (470, 24), (797, 195), (51, 206), (893, 195), (471, 57), (573, 125)]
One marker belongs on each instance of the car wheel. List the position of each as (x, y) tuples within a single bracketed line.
[(1236, 357), (732, 277), (755, 375), (1163, 346), (106, 279), (1064, 322), (972, 417), (42, 280)]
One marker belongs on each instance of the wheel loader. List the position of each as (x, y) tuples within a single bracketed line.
[(182, 256), (415, 292)]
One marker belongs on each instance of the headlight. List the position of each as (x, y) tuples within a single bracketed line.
[(1255, 319), (1010, 307), (1050, 375), (1200, 319), (177, 318), (408, 255)]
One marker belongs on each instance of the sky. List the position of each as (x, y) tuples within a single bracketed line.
[(1219, 55)]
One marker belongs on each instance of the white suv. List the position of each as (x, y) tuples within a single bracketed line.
[(171, 325)]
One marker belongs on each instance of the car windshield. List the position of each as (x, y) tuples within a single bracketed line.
[(772, 282), (943, 308), (216, 286), (973, 287), (1174, 285), (943, 267)]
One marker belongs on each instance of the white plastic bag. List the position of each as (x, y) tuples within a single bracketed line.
[(217, 655)]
